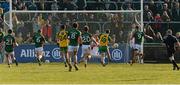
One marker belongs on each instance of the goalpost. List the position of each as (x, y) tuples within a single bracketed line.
[(119, 21)]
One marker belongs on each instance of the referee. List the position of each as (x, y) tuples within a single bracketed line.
[(171, 43)]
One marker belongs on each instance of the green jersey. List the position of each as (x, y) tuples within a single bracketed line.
[(138, 35), (86, 38), (9, 41), (38, 40), (73, 35), (1, 36)]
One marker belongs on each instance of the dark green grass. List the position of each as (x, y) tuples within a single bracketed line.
[(51, 73)]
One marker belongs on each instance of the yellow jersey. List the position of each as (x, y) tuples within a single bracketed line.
[(62, 38), (104, 39)]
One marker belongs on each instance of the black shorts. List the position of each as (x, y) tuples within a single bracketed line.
[(170, 53)]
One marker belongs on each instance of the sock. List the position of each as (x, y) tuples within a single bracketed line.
[(75, 58), (16, 62), (38, 59), (174, 63), (142, 61), (64, 59), (10, 60), (103, 60), (85, 61)]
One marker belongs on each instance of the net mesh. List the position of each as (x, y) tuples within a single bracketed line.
[(120, 23)]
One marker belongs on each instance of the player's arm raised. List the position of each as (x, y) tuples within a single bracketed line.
[(94, 40)]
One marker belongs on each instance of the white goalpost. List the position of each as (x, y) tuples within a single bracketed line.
[(116, 20)]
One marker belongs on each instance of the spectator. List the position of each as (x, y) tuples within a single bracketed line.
[(41, 5), (5, 6), (129, 6), (152, 7), (15, 21), (47, 31), (81, 4), (31, 5), (1, 22), (19, 38), (1, 17), (14, 5), (165, 17), (158, 38), (176, 16), (54, 5), (157, 25), (28, 38), (69, 5), (178, 35), (36, 25), (168, 3), (145, 12), (159, 6), (21, 6), (41, 20), (149, 17), (1, 11), (165, 8), (176, 12), (165, 25), (149, 31)]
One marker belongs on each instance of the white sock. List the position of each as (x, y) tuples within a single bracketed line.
[(142, 61), (85, 61)]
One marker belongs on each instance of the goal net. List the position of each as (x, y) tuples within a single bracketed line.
[(121, 23)]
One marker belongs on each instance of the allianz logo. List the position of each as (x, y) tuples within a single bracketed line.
[(117, 54), (55, 53)]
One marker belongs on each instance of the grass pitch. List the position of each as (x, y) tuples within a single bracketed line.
[(56, 73)]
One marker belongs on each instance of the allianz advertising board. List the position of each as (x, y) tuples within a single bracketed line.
[(26, 53)]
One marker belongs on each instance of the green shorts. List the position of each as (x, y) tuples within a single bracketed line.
[(103, 49), (63, 49)]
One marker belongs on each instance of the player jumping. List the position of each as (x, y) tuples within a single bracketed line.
[(171, 43), (74, 41), (39, 41), (62, 40), (10, 43), (138, 44), (86, 48)]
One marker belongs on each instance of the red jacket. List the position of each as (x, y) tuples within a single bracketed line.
[(47, 31)]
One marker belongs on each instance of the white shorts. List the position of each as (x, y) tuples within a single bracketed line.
[(9, 53), (95, 51), (86, 49), (73, 48), (138, 47), (39, 49)]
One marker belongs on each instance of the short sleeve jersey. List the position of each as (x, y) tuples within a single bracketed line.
[(38, 40), (9, 41), (86, 38), (138, 35), (63, 38), (104, 39), (170, 41), (73, 36)]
